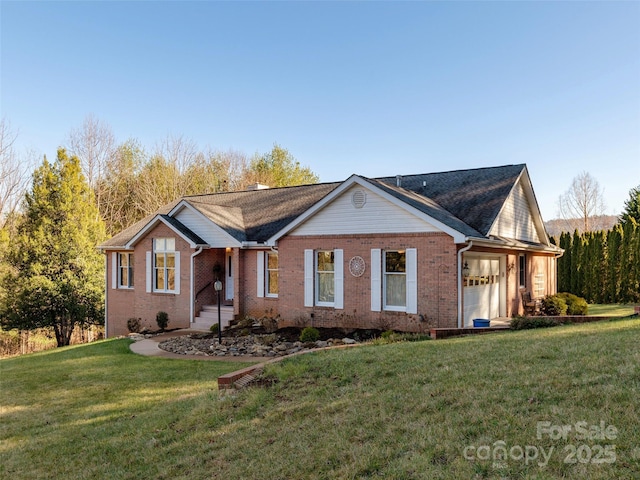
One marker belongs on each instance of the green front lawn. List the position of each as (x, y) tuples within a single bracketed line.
[(431, 409), (610, 310)]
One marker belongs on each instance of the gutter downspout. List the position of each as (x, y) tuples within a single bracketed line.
[(191, 288), (555, 258), (106, 291), (460, 293)]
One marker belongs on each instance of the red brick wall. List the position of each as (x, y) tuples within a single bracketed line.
[(437, 299), (137, 303), (247, 300)]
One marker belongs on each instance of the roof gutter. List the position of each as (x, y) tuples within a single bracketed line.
[(460, 293), (191, 286)]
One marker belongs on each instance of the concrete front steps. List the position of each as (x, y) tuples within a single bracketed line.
[(209, 316)]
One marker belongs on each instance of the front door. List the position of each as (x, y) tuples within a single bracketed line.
[(228, 292), (482, 289)]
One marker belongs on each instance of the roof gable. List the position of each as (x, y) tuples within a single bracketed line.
[(190, 237), (520, 217), (429, 223), (217, 226)]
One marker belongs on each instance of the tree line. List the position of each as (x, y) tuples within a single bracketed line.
[(604, 266), (51, 274)]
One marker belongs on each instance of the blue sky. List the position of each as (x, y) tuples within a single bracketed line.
[(374, 88)]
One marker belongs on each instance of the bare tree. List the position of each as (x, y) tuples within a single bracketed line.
[(14, 174), (582, 206), (94, 144)]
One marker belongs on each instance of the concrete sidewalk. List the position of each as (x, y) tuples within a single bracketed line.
[(149, 348)]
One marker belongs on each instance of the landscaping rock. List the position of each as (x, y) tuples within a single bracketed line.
[(268, 345)]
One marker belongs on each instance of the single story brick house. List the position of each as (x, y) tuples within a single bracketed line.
[(406, 252)]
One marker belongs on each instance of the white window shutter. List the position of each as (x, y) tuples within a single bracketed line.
[(308, 278), (412, 280), (338, 279), (114, 270), (177, 273), (149, 267), (260, 274), (376, 279)]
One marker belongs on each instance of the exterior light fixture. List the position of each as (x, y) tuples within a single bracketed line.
[(466, 270)]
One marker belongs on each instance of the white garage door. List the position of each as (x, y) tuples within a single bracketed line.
[(482, 289)]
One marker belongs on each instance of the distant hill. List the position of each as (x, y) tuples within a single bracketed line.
[(558, 225)]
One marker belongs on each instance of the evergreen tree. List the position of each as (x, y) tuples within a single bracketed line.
[(614, 242), (576, 259), (564, 264), (56, 276), (632, 207), (629, 256)]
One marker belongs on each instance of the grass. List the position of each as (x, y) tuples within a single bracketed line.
[(404, 410), (614, 310)]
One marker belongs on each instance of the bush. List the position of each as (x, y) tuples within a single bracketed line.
[(309, 334), (387, 334), (525, 323), (162, 319), (133, 325), (214, 328), (575, 305), (553, 305)]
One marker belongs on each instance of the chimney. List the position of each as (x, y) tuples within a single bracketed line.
[(257, 186)]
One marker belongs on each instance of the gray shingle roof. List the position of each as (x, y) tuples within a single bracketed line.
[(186, 232), (467, 201), (473, 196), (247, 215)]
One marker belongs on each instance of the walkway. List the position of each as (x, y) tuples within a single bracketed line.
[(149, 347)]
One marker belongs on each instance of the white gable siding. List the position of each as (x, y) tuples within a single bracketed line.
[(376, 216), (204, 228), (515, 220)]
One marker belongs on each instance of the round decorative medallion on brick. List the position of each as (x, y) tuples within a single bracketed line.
[(356, 266)]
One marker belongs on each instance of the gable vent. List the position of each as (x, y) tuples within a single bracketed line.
[(359, 198)]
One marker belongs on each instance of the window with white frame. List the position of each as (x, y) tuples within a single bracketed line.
[(325, 267), (395, 280), (271, 274), (164, 264), (125, 270), (522, 270), (324, 278)]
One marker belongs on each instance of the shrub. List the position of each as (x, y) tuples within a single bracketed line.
[(309, 334), (387, 334), (162, 319), (553, 305), (575, 305), (133, 325), (214, 328), (525, 323)]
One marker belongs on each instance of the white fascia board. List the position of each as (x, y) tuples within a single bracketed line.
[(185, 204), (154, 221), (535, 208), (358, 180), (513, 245)]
